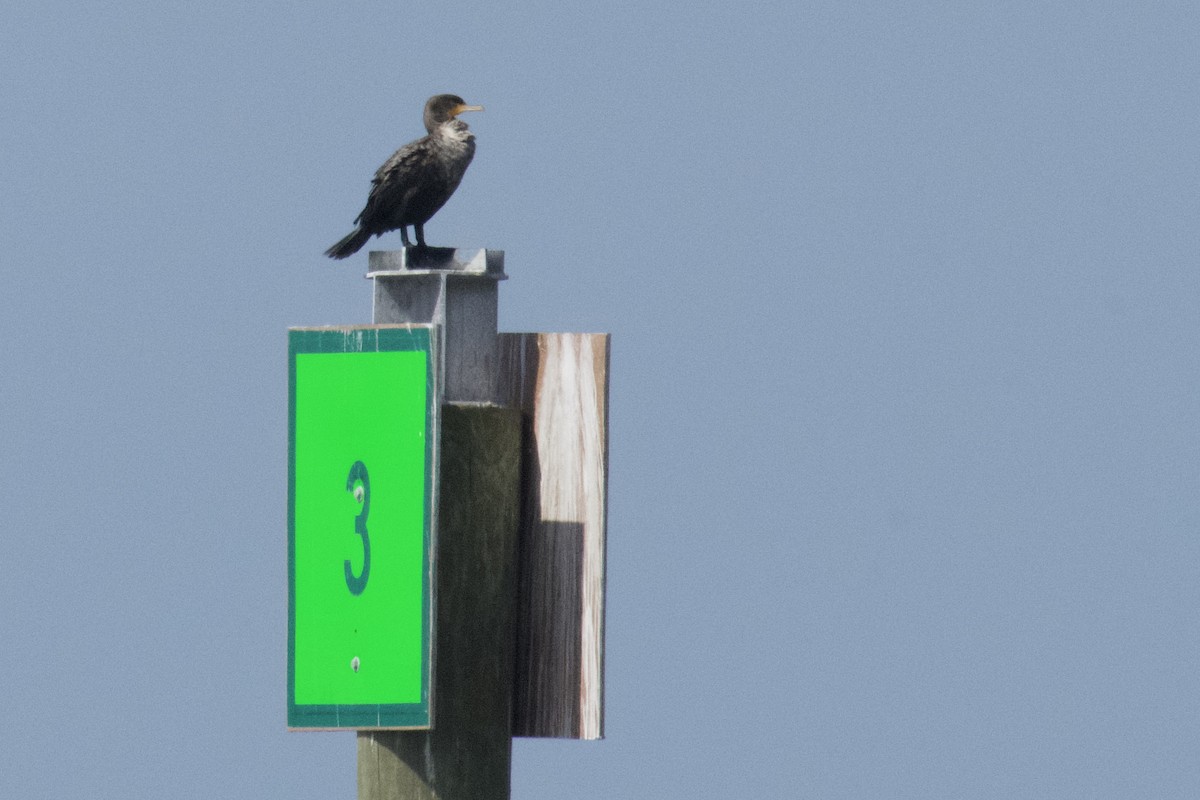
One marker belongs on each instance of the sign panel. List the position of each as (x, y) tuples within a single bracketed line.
[(362, 467)]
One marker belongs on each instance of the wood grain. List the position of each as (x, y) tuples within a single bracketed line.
[(560, 383)]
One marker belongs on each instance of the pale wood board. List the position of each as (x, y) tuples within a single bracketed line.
[(560, 383)]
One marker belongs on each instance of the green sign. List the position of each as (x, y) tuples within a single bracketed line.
[(363, 430)]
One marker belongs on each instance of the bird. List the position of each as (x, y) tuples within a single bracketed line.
[(417, 180)]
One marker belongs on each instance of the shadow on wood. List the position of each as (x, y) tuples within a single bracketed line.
[(550, 607)]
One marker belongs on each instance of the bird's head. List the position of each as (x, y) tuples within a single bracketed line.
[(441, 108)]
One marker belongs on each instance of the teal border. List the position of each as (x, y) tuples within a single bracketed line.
[(367, 338)]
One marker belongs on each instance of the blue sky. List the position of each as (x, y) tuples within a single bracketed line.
[(905, 430)]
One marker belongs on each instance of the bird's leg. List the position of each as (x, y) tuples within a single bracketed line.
[(420, 229), (404, 236)]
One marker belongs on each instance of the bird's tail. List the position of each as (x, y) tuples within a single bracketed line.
[(350, 245)]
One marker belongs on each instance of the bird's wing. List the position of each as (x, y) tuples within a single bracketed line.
[(395, 182)]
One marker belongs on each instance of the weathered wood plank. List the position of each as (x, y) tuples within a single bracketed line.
[(560, 382)]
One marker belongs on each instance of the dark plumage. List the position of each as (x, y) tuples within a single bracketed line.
[(418, 179)]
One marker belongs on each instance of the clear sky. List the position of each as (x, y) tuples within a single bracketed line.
[(905, 442)]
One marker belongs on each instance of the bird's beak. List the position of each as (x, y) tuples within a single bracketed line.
[(461, 109)]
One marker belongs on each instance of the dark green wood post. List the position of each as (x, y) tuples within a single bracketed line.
[(468, 754)]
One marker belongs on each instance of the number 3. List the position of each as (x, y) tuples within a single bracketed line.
[(358, 475)]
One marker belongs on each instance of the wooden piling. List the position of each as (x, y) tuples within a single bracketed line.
[(468, 754)]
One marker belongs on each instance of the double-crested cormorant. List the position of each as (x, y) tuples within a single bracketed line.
[(418, 179)]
